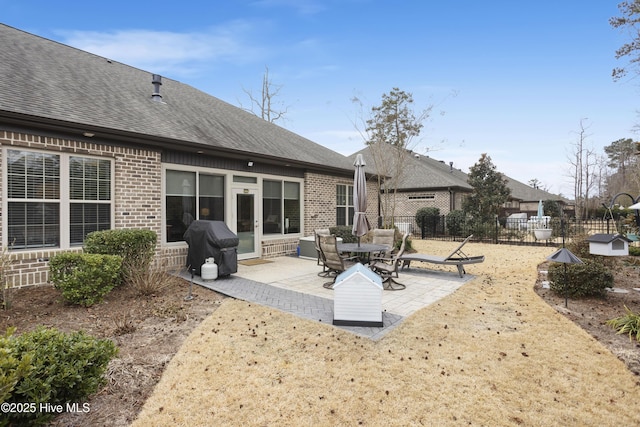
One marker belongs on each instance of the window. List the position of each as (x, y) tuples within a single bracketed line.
[(422, 197), (211, 197), (280, 207), (271, 207), (90, 194), (54, 200), (186, 201), (291, 207), (344, 205)]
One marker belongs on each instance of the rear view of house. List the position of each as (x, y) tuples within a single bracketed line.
[(88, 144)]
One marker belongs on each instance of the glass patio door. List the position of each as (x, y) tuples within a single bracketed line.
[(246, 222)]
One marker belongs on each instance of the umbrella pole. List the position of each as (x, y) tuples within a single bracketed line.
[(566, 291)]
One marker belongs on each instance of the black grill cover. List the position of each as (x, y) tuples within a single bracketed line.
[(212, 239)]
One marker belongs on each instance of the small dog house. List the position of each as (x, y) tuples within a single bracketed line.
[(357, 298), (608, 245)]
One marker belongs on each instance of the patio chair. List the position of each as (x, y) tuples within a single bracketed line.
[(317, 233), (333, 261), (457, 258), (382, 236), (386, 268)]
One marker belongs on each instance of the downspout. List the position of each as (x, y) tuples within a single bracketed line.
[(452, 200)]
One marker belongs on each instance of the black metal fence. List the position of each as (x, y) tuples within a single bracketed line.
[(504, 231)]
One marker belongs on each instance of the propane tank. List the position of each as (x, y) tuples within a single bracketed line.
[(209, 269)]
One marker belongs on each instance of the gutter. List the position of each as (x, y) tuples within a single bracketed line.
[(32, 124)]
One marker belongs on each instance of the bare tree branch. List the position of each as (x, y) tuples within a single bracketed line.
[(266, 105)]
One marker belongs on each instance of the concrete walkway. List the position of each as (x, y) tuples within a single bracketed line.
[(292, 284)]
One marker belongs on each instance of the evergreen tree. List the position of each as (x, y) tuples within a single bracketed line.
[(490, 190)]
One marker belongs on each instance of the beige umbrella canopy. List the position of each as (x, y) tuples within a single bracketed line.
[(360, 222)]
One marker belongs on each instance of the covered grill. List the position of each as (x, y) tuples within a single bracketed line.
[(212, 239)]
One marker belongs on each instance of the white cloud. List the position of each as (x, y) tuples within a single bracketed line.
[(181, 53)]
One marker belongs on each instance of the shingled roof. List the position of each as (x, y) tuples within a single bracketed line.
[(527, 193), (50, 85), (420, 172), (426, 173)]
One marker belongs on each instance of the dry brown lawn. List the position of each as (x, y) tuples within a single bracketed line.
[(493, 353)]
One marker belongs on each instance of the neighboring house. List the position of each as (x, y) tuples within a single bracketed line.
[(525, 198), (88, 143), (427, 182)]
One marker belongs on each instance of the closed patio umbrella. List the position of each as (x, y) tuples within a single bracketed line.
[(540, 210), (360, 222)]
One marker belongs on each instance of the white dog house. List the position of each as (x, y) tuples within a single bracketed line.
[(608, 245), (357, 298)]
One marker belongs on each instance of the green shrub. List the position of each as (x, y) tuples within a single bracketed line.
[(135, 246), (63, 368), (455, 222), (582, 280), (428, 219), (483, 230), (344, 231), (85, 279), (634, 250), (13, 366)]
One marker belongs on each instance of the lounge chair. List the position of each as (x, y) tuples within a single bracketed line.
[(333, 261), (387, 268), (457, 258)]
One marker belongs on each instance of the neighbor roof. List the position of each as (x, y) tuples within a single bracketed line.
[(426, 173), (527, 193), (420, 172), (55, 86)]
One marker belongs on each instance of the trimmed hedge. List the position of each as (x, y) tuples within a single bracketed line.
[(135, 246), (54, 367), (582, 280), (85, 279), (428, 219), (456, 222)]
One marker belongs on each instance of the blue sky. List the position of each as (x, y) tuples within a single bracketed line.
[(511, 79)]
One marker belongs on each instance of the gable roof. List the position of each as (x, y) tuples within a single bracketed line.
[(426, 173), (50, 85), (607, 238), (527, 193), (419, 172)]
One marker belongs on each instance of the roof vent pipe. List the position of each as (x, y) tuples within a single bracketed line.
[(156, 80), (450, 167)]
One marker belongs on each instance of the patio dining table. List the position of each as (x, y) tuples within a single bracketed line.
[(363, 250)]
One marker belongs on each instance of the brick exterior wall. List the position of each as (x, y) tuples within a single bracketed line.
[(279, 247), (320, 201), (136, 197), (408, 207), (137, 203)]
